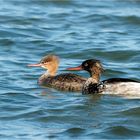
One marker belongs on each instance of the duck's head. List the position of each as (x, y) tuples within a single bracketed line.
[(49, 62), (93, 66)]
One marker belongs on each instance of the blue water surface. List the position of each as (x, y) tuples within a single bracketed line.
[(75, 30)]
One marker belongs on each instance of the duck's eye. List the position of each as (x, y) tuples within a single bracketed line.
[(86, 64)]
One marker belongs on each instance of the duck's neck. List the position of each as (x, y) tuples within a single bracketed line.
[(44, 76), (48, 73), (95, 75), (91, 85), (52, 69), (51, 72)]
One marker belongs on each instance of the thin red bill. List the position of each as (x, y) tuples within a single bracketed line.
[(75, 68), (34, 65)]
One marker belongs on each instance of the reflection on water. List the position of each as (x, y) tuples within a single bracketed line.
[(74, 30)]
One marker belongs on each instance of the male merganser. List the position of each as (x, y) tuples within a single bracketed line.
[(65, 81), (109, 86)]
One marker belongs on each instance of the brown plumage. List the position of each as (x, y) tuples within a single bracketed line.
[(65, 81)]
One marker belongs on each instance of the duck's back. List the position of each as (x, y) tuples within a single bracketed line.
[(118, 80), (65, 81)]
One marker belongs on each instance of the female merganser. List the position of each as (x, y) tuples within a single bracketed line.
[(65, 81), (109, 86)]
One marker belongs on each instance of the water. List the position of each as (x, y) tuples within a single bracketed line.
[(75, 30)]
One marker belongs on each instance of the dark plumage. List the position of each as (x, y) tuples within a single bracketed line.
[(112, 85), (115, 80)]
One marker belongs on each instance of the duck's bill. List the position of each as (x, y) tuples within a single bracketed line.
[(75, 68), (34, 65)]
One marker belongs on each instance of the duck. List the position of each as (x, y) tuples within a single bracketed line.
[(121, 86), (64, 81)]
